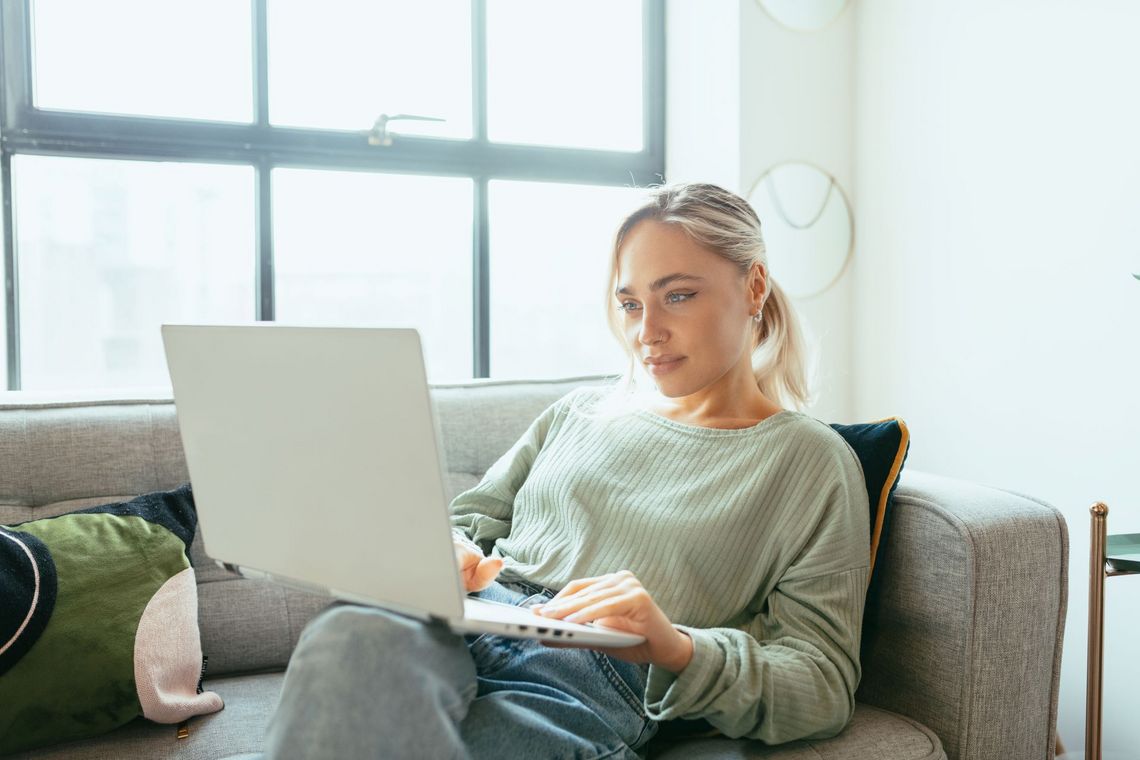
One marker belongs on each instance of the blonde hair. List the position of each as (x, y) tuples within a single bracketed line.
[(726, 224)]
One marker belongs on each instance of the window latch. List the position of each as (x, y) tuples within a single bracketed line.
[(379, 134)]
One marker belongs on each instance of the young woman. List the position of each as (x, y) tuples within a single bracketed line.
[(684, 503)]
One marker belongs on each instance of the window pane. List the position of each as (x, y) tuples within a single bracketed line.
[(355, 248), (145, 57), (550, 254), (341, 67), (565, 75), (109, 250)]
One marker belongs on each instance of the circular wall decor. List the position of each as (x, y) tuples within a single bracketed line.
[(807, 226), (803, 15)]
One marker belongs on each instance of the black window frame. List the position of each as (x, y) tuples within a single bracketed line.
[(25, 129)]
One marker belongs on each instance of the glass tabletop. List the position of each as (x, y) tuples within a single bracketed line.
[(1123, 551)]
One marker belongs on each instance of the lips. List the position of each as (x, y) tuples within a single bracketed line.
[(662, 365)]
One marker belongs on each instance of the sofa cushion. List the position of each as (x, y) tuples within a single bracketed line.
[(238, 729), (119, 639), (873, 734), (238, 732)]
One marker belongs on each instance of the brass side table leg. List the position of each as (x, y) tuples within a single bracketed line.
[(1099, 512)]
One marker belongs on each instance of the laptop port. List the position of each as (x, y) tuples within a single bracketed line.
[(542, 630), (557, 632), (522, 627)]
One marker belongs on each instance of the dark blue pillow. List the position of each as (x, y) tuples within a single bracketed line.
[(881, 447)]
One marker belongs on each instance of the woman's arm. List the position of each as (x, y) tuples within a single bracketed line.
[(791, 671), (482, 514), (791, 675), (789, 666)]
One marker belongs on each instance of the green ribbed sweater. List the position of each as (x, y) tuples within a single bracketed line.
[(753, 541)]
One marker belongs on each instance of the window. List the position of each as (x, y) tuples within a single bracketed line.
[(144, 57), (547, 86), (111, 249), (358, 248), (341, 68), (549, 276), (340, 163)]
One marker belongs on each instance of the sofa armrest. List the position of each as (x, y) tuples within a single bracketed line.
[(965, 619)]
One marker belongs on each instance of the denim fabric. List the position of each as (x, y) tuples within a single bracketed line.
[(368, 683)]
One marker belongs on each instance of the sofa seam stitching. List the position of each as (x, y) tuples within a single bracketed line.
[(28, 462)]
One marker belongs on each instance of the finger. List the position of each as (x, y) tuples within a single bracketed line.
[(574, 586), (613, 607), (606, 584), (577, 601), (466, 558), (486, 572), (469, 580), (467, 572), (584, 586), (579, 585)]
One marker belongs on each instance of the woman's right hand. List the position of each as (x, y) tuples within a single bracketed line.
[(478, 570)]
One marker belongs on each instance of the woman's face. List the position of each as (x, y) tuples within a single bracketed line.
[(704, 320)]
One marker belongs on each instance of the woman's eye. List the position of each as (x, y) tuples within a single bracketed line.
[(681, 298)]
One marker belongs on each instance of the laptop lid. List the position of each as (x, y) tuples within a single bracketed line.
[(314, 455)]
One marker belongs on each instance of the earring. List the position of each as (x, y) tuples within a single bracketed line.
[(758, 316)]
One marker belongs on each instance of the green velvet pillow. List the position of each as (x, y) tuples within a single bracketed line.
[(99, 623)]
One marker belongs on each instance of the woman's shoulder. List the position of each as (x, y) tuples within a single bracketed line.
[(817, 435), (580, 397), (808, 425), (595, 401)]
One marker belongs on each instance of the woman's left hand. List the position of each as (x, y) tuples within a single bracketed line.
[(618, 600)]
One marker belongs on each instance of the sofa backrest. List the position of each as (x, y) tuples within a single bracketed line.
[(57, 456)]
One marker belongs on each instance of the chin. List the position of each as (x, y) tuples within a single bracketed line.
[(672, 387), (675, 384)]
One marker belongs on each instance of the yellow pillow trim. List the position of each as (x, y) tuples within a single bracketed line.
[(881, 507)]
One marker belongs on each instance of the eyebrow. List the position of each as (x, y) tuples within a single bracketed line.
[(658, 284)]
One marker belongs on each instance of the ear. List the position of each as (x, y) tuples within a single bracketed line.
[(758, 284)]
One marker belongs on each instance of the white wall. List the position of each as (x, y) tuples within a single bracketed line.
[(702, 97), (991, 151), (997, 180), (745, 94)]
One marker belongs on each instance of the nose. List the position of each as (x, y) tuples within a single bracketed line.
[(652, 328)]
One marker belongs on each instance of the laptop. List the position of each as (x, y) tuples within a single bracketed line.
[(315, 458)]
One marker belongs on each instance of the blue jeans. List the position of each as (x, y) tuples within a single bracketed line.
[(368, 683)]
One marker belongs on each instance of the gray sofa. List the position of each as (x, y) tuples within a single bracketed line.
[(962, 636)]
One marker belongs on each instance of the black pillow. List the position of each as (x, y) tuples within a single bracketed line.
[(881, 447)]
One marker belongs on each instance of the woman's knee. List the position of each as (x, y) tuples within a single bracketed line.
[(359, 637), (345, 620)]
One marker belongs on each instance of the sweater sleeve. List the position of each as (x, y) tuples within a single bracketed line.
[(483, 514), (790, 672)]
